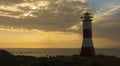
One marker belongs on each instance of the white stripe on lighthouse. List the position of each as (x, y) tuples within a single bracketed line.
[(87, 42)]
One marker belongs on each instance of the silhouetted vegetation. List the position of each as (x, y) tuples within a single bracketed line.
[(7, 59)]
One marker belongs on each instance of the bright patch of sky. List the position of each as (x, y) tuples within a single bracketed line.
[(103, 5)]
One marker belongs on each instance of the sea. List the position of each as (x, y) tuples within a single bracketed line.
[(44, 52)]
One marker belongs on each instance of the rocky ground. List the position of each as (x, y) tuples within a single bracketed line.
[(7, 59)]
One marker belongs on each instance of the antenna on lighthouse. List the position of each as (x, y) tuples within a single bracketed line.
[(87, 44)]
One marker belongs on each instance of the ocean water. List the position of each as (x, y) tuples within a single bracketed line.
[(59, 51)]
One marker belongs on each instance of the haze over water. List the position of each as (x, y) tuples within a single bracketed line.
[(60, 51)]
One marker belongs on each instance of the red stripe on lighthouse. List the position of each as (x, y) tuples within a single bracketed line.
[(87, 51), (87, 33)]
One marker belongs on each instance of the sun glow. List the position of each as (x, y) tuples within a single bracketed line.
[(43, 3), (40, 5), (40, 39)]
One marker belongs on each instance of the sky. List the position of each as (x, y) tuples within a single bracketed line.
[(57, 23)]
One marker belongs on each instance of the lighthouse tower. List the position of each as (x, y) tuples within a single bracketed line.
[(87, 44)]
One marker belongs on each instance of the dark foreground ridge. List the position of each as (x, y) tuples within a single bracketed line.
[(8, 59)]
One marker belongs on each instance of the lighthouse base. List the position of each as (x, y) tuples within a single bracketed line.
[(87, 51)]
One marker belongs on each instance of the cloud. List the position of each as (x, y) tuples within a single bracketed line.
[(83, 1), (108, 24), (47, 15)]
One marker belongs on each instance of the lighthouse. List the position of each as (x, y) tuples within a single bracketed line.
[(87, 48)]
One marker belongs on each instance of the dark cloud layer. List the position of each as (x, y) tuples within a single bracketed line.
[(58, 15), (10, 2)]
